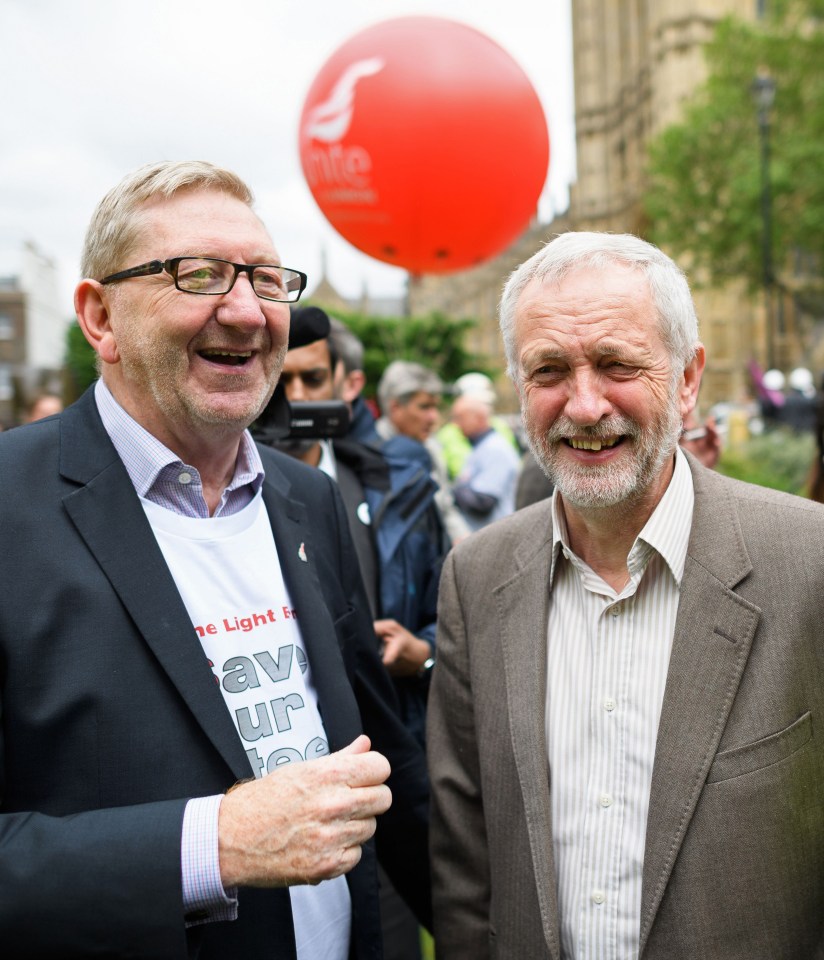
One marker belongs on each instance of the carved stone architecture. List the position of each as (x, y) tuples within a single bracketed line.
[(635, 63)]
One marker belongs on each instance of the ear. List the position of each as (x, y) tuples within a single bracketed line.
[(353, 384), (691, 382), (91, 305)]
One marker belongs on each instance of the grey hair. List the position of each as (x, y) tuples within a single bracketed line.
[(117, 220), (345, 346), (668, 285), (402, 379)]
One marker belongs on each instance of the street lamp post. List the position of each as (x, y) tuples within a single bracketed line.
[(763, 89)]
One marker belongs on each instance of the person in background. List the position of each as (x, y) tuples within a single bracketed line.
[(456, 448), (350, 379), (771, 396), (485, 487), (401, 544), (816, 484), (409, 397), (533, 484), (188, 657), (44, 405), (800, 402), (625, 726)]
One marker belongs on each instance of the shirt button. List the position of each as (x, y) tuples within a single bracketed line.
[(184, 477), (598, 896), (606, 799), (609, 704), (616, 610)]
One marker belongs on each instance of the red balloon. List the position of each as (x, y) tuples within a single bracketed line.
[(424, 144)]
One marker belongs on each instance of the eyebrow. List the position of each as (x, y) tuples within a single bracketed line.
[(602, 349), (312, 372)]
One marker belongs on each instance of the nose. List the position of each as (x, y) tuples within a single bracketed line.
[(586, 402), (293, 387), (241, 306)]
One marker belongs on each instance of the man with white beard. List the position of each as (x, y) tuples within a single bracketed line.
[(625, 721)]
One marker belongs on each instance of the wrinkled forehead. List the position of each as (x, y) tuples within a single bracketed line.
[(584, 283), (205, 221), (586, 297)]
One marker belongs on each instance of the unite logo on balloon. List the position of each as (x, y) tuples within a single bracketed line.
[(341, 170), (425, 144)]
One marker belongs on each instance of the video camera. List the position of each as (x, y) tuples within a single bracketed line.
[(318, 420)]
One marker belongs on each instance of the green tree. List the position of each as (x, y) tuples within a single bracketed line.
[(435, 340), (80, 362), (704, 194)]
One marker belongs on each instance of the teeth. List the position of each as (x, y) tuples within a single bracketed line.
[(591, 444), (227, 353)]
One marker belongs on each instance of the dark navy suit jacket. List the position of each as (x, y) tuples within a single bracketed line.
[(111, 717)]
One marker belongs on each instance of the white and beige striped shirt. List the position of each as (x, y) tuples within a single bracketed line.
[(608, 655)]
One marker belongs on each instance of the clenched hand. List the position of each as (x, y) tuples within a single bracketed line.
[(304, 822)]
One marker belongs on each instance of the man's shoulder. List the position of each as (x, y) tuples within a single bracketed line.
[(30, 443), (524, 531), (759, 502), (768, 527)]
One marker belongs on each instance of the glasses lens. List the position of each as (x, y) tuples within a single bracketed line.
[(199, 275), (277, 283)]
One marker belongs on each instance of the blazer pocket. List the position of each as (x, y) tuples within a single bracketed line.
[(763, 753)]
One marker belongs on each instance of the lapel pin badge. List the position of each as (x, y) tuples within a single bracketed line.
[(302, 552)]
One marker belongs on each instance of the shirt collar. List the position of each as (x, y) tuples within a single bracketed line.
[(667, 531), (145, 457)]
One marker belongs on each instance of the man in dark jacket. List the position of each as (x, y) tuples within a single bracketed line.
[(165, 582), (388, 493), (389, 497)]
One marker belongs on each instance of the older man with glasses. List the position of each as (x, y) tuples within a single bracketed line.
[(184, 627)]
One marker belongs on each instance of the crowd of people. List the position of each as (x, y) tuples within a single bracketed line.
[(267, 693)]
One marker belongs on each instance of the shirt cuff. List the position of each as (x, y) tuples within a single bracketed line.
[(204, 899)]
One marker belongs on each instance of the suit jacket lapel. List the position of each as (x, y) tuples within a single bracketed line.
[(298, 553), (522, 606), (108, 516), (713, 636)]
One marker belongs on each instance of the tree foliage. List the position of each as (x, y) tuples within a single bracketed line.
[(705, 186), (434, 340), (80, 362)]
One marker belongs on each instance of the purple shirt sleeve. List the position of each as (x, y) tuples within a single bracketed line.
[(204, 899)]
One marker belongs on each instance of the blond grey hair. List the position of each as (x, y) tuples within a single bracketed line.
[(402, 379), (115, 226), (668, 286)]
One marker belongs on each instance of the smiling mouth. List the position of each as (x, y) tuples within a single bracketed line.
[(595, 444), (228, 358)]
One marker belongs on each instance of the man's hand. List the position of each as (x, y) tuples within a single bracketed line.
[(702, 442), (403, 653), (304, 822)]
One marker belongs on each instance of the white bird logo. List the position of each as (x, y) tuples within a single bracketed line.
[(330, 120)]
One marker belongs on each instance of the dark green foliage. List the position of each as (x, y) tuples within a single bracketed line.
[(435, 340), (779, 458), (80, 362), (704, 195)]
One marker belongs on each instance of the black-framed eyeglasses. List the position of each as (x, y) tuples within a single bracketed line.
[(212, 277)]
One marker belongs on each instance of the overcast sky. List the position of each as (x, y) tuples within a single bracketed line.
[(94, 88)]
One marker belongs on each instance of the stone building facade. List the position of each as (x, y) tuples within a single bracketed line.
[(635, 62)]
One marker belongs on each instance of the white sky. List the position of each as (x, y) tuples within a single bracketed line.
[(94, 88)]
